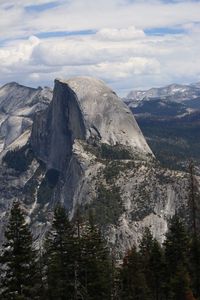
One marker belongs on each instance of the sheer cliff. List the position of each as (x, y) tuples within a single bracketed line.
[(86, 150), (86, 109)]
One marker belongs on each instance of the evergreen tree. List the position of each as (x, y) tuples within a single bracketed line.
[(146, 243), (192, 199), (96, 265), (179, 284), (133, 282), (156, 266), (176, 244), (193, 203), (18, 261), (115, 278), (195, 264), (176, 248), (59, 255), (145, 250), (152, 264)]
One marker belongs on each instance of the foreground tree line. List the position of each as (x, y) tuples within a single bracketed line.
[(75, 263)]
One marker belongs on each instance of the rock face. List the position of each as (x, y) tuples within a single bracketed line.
[(86, 150), (18, 105), (84, 108)]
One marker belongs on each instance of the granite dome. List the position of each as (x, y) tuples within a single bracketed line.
[(105, 113)]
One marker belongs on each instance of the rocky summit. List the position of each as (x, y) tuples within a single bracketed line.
[(84, 148), (84, 109)]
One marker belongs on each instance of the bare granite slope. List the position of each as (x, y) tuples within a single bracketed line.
[(86, 150), (18, 105)]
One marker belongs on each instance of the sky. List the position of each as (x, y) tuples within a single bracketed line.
[(130, 44)]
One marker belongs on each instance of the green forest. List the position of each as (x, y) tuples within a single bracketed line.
[(74, 262)]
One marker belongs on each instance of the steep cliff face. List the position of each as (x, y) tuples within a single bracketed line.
[(55, 130), (86, 150), (84, 108)]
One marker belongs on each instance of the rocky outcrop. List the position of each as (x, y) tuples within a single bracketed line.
[(125, 195), (86, 150), (18, 106), (84, 108)]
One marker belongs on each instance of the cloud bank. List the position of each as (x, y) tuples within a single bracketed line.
[(130, 44)]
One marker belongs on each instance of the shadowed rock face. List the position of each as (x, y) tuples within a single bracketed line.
[(84, 108), (55, 130)]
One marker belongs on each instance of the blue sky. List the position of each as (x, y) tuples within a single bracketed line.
[(41, 7), (130, 44)]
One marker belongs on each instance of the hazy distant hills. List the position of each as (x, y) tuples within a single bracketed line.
[(170, 120)]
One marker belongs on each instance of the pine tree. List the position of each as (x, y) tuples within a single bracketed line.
[(176, 244), (96, 263), (152, 264), (179, 284), (176, 248), (195, 264), (18, 260), (156, 266), (192, 199), (115, 277), (59, 254), (80, 271), (193, 202), (133, 282), (146, 243)]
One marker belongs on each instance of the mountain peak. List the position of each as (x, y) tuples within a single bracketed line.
[(86, 85), (92, 112), (105, 111), (173, 92), (14, 84)]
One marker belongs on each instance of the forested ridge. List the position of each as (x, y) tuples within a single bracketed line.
[(75, 263)]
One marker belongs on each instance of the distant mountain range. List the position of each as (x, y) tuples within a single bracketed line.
[(173, 92), (170, 120)]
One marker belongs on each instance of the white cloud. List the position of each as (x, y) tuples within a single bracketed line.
[(113, 34), (120, 52), (133, 66), (89, 14), (18, 54), (59, 52), (139, 62)]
